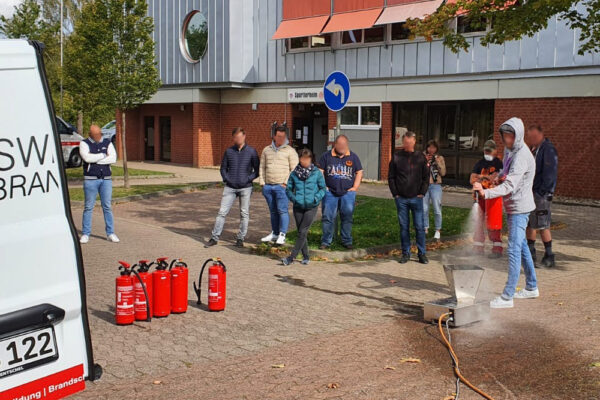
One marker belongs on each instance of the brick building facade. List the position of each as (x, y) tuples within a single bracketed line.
[(267, 74)]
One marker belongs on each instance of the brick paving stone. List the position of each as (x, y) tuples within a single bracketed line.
[(334, 322)]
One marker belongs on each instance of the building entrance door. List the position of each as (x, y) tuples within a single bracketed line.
[(149, 138), (165, 138)]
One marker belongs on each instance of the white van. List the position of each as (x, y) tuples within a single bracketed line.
[(45, 344)]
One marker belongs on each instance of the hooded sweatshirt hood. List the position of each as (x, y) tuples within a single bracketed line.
[(518, 173), (519, 128)]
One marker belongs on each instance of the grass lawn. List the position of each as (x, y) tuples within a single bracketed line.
[(76, 194), (376, 223), (77, 173)]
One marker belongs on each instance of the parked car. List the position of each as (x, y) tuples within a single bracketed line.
[(110, 131), (69, 141), (465, 142)]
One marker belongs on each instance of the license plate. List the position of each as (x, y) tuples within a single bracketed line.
[(27, 350)]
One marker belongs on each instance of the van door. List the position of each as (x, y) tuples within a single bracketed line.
[(45, 344)]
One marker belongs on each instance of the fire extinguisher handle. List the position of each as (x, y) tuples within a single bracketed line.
[(143, 261), (124, 264), (162, 259)]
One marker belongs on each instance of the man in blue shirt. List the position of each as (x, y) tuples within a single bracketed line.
[(546, 170), (343, 172), (239, 168)]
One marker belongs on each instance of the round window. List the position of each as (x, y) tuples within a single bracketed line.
[(194, 36)]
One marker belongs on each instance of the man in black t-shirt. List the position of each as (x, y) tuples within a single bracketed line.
[(489, 167)]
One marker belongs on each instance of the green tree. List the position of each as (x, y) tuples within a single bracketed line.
[(113, 59), (511, 20)]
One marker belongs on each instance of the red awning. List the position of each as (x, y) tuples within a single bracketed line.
[(403, 12), (300, 27), (352, 20)]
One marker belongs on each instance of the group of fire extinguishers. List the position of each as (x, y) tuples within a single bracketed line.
[(141, 294), (491, 213)]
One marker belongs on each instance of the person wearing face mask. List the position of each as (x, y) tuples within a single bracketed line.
[(487, 168), (515, 186)]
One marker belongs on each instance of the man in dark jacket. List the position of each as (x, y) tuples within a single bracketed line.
[(546, 169), (409, 180), (239, 168)]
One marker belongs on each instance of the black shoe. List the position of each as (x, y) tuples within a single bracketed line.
[(423, 259), (239, 243), (323, 247), (211, 243), (494, 256), (548, 261), (287, 260), (404, 259), (348, 246)]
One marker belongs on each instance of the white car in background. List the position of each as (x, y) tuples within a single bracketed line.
[(69, 143), (109, 131)]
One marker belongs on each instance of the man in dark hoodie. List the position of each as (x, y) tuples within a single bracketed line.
[(239, 168), (546, 169), (409, 180)]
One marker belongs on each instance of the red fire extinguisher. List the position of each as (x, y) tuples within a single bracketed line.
[(217, 273), (179, 286), (161, 289), (142, 286), (124, 314)]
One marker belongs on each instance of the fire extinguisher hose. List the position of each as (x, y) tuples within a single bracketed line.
[(148, 316), (455, 359), (198, 289)]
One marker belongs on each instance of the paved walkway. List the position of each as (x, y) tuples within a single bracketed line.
[(335, 323)]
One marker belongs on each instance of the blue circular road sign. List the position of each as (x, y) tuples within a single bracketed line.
[(336, 90)]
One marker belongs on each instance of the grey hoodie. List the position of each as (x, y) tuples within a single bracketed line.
[(519, 170)]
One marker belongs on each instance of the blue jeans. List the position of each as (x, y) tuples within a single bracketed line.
[(91, 188), (331, 205), (229, 196), (518, 254), (406, 206), (278, 206), (433, 195)]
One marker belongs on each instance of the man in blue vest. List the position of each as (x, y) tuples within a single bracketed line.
[(97, 155)]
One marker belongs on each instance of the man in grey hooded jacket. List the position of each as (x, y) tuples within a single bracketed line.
[(515, 186)]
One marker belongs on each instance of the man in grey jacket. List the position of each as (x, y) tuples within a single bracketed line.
[(515, 186)]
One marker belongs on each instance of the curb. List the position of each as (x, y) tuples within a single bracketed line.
[(162, 193), (354, 254), (120, 178)]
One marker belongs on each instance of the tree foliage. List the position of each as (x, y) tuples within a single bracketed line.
[(511, 20)]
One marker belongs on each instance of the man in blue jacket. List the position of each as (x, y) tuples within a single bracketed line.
[(544, 183), (239, 168)]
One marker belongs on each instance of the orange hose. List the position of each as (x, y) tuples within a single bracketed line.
[(456, 370)]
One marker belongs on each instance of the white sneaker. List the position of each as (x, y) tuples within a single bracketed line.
[(527, 294), (113, 238), (499, 302), (281, 239), (84, 239), (437, 235), (269, 238)]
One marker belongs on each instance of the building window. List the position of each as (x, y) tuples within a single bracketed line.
[(362, 115), (194, 36), (361, 36), (400, 31), (309, 42), (464, 24)]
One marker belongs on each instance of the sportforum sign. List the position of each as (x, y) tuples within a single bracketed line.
[(305, 95)]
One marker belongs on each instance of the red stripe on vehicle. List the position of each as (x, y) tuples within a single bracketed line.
[(51, 387)]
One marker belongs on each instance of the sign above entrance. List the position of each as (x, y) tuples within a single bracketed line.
[(337, 90), (305, 95)]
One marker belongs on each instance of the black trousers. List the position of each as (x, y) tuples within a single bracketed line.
[(304, 219)]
